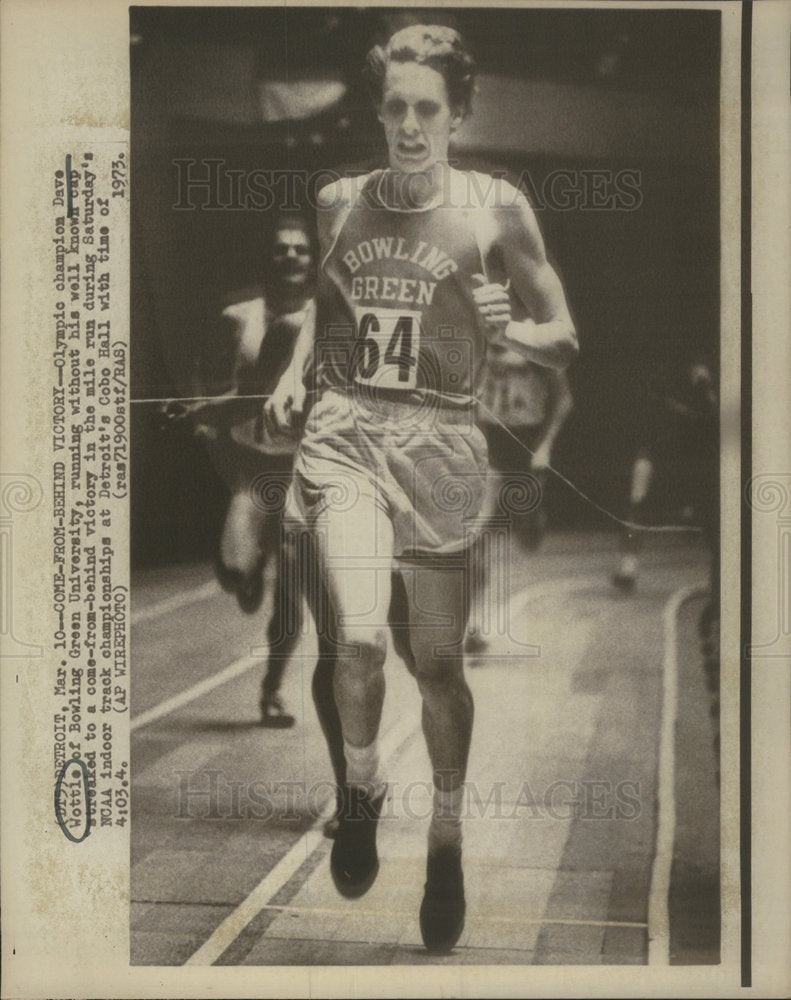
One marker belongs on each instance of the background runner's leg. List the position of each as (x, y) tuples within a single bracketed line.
[(285, 622), (240, 545)]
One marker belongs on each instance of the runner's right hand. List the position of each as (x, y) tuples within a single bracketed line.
[(283, 409), (494, 304)]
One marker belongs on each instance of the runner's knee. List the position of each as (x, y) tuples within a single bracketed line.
[(363, 649), (437, 651), (235, 560), (239, 549)]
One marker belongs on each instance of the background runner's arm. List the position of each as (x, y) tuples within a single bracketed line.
[(223, 361), (287, 401), (202, 408)]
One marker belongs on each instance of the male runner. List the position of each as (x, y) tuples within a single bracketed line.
[(676, 463), (266, 331), (422, 266)]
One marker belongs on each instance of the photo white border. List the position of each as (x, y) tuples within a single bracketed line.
[(64, 79)]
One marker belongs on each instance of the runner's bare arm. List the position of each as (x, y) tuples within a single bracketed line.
[(285, 406), (548, 337), (201, 408), (333, 204)]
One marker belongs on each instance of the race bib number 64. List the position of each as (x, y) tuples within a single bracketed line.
[(386, 348)]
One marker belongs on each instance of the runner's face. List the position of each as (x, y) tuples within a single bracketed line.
[(291, 257), (416, 115)]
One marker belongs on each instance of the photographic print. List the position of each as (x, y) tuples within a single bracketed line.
[(394, 499), (425, 427)]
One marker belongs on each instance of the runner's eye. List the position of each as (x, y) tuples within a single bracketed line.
[(394, 108), (427, 109), (282, 249)]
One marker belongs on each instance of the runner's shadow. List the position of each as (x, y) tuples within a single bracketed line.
[(216, 725)]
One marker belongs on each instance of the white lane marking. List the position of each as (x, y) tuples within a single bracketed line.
[(260, 897), (160, 608), (202, 687), (395, 912), (273, 882), (658, 896)]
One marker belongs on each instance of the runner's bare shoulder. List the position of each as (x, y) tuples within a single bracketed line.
[(334, 202), (236, 302), (496, 206)]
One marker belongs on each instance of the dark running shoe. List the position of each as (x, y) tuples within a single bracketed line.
[(354, 862), (273, 715), (443, 907)]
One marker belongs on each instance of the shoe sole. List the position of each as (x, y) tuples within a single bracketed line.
[(277, 721), (347, 888), (356, 890)]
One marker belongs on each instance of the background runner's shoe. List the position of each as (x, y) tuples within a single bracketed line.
[(273, 715), (443, 907), (354, 862)]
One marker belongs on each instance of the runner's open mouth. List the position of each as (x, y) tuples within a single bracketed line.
[(411, 149)]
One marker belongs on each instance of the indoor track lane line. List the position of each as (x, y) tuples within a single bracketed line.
[(659, 894)]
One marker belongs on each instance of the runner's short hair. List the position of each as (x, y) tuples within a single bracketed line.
[(296, 220), (290, 220), (433, 45)]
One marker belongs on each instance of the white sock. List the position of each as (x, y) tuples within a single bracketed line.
[(362, 766), (445, 828)]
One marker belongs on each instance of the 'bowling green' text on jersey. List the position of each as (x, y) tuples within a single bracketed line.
[(401, 316)]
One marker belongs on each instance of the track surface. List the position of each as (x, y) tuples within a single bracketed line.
[(592, 833)]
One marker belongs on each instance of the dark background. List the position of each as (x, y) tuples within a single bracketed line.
[(580, 90)]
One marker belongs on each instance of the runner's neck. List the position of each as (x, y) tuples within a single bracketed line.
[(413, 192)]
